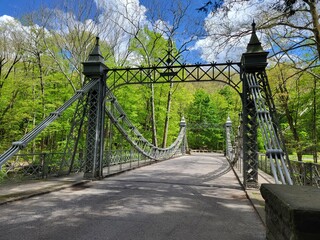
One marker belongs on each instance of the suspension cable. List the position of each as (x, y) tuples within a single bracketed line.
[(134, 137), (271, 140), (22, 143)]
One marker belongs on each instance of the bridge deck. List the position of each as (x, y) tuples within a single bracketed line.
[(191, 197)]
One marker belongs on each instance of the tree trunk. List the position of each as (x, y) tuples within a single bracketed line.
[(314, 122), (166, 122), (316, 25), (153, 117), (291, 122), (38, 54)]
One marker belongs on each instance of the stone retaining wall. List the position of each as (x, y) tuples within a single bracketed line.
[(292, 212)]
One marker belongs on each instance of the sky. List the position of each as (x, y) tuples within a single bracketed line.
[(206, 29), (17, 8)]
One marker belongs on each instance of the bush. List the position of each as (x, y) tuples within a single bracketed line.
[(3, 174)]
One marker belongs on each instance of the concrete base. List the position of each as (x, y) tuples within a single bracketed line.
[(292, 212)]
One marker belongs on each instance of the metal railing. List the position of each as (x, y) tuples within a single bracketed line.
[(33, 165), (303, 173), (205, 151), (264, 163), (44, 165), (306, 173)]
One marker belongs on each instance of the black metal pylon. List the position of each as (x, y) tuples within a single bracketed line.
[(254, 61), (94, 69)]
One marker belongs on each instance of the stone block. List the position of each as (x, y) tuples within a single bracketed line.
[(292, 212)]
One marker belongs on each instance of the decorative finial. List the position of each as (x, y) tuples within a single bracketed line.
[(183, 122), (94, 66), (95, 55), (255, 59), (253, 26), (169, 51), (169, 43), (254, 44), (228, 122)]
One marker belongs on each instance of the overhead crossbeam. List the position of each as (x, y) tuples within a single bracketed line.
[(220, 72)]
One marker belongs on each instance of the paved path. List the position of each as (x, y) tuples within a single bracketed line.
[(191, 197)]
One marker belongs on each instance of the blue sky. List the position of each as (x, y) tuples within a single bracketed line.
[(17, 8)]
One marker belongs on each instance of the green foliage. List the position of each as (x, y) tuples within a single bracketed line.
[(3, 175), (150, 46), (206, 116), (49, 70), (297, 100)]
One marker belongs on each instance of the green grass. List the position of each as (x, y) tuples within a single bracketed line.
[(305, 158)]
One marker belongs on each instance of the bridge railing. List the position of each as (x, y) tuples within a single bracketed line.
[(205, 151), (33, 165), (303, 173), (48, 164)]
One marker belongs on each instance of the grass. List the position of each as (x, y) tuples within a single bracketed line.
[(305, 158)]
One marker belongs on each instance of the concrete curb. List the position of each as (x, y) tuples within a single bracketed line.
[(12, 197), (254, 195), (57, 185)]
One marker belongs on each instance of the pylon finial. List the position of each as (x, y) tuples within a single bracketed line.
[(253, 26), (97, 40)]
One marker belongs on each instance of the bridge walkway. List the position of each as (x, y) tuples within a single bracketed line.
[(190, 197)]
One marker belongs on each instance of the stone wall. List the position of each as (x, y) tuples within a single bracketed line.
[(292, 212)]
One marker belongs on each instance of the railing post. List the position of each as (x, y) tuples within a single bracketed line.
[(308, 173), (229, 147), (184, 141), (44, 164), (252, 62), (95, 69)]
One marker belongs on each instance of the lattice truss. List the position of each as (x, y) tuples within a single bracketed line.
[(120, 120), (71, 160), (250, 149), (257, 83), (224, 72)]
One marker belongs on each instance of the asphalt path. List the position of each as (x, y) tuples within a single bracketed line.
[(188, 198)]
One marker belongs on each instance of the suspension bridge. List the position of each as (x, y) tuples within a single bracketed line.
[(86, 151)]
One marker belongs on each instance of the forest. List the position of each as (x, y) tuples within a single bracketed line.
[(41, 58)]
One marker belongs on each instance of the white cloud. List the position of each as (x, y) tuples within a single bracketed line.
[(162, 27), (224, 41), (7, 19), (127, 15), (12, 29), (119, 20)]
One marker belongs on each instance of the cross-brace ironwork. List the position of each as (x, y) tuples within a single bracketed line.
[(170, 70)]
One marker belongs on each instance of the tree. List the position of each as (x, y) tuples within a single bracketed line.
[(72, 33), (291, 28), (203, 124), (11, 51)]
